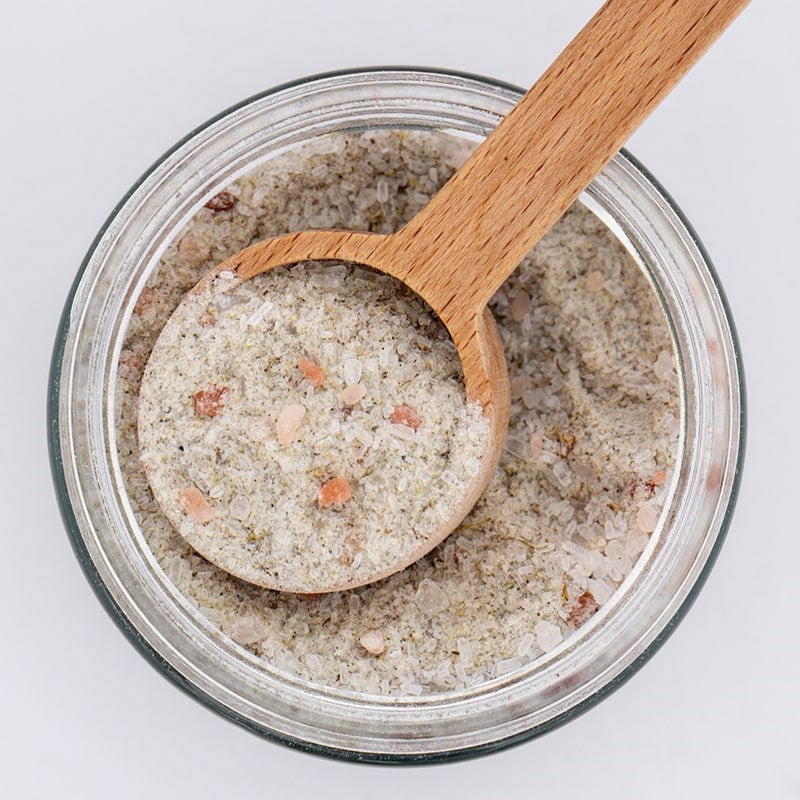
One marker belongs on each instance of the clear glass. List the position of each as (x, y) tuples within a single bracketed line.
[(188, 648)]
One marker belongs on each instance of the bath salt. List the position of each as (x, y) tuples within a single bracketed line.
[(585, 392), (309, 370)]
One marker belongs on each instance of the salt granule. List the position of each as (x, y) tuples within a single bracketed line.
[(430, 599), (547, 635)]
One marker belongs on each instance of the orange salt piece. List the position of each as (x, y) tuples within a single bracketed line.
[(195, 505), (405, 415), (314, 373), (336, 491), (208, 402), (659, 478)]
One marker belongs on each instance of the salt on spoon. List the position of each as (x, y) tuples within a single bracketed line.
[(461, 247)]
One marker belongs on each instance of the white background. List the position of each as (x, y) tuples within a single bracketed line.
[(92, 94)]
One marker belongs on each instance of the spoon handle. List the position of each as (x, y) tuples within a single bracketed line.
[(461, 247)]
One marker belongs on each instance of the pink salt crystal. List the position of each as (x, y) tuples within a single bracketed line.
[(132, 363), (647, 518), (353, 394), (595, 281), (351, 547), (314, 373), (584, 607), (519, 385), (145, 300), (520, 306), (405, 415), (336, 491), (288, 422), (193, 250), (195, 505), (208, 402), (536, 445), (664, 366), (372, 641), (430, 598), (659, 478)]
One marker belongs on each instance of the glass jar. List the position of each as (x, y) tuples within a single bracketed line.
[(193, 652)]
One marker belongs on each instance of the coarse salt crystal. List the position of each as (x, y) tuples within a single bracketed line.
[(313, 372), (563, 473), (600, 589), (506, 665), (372, 641), (464, 650), (594, 281), (520, 305), (336, 491), (351, 395), (240, 507), (246, 630), (519, 384), (430, 599), (351, 371), (353, 602), (262, 311), (525, 644), (405, 415), (288, 422), (381, 190), (402, 431), (664, 367), (635, 544), (195, 505), (548, 635), (647, 518), (536, 445)]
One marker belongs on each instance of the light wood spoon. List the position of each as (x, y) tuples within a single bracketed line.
[(462, 246)]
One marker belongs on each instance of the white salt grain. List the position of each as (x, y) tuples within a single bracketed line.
[(525, 644), (507, 665), (352, 371), (402, 432), (240, 507), (430, 599), (548, 635), (647, 518)]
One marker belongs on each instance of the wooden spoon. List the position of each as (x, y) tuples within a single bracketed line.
[(470, 237)]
